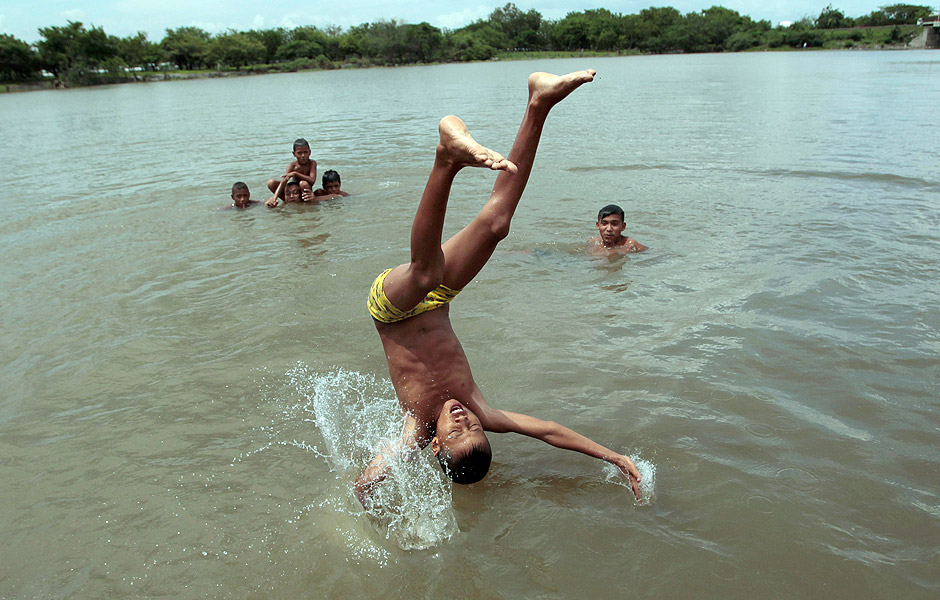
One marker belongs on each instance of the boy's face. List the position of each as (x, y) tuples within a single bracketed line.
[(302, 154), (331, 187), (457, 429), (292, 193), (611, 228), (241, 198)]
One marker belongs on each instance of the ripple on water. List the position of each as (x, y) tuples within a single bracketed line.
[(761, 504), (695, 397), (781, 423), (760, 430), (722, 395)]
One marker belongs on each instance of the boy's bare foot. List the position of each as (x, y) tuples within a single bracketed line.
[(547, 90), (458, 148)]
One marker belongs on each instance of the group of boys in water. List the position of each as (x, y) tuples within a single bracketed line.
[(410, 304), (296, 184)]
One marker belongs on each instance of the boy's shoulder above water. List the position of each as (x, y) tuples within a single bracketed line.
[(625, 245)]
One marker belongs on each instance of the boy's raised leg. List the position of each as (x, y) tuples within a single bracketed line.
[(470, 249), (408, 284)]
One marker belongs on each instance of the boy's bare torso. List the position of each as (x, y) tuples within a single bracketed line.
[(295, 166), (427, 366)]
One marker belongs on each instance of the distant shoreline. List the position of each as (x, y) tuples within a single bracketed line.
[(158, 76)]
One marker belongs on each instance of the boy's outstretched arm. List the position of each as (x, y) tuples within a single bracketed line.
[(272, 201), (500, 421)]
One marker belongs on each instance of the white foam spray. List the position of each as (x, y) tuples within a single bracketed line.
[(356, 413), (647, 479)]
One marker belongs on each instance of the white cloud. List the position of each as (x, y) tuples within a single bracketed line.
[(257, 22), (211, 27), (73, 14), (455, 20)]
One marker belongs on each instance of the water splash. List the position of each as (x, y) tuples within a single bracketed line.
[(356, 413), (647, 479)]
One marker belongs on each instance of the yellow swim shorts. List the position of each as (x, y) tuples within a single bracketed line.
[(384, 311)]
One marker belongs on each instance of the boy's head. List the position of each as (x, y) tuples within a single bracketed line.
[(301, 151), (611, 209), (610, 224), (331, 182), (240, 194), (292, 191), (460, 445)]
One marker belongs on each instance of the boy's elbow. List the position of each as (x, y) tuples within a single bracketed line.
[(364, 485), (551, 430), (361, 491)]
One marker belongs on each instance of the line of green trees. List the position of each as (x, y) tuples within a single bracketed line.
[(79, 55), (896, 14)]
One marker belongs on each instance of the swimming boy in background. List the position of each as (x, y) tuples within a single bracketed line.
[(610, 226), (331, 187), (410, 308), (241, 197), (289, 190), (303, 169)]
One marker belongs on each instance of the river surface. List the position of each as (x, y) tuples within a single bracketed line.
[(188, 391)]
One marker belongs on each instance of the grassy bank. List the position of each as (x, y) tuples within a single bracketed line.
[(896, 36), (861, 38)]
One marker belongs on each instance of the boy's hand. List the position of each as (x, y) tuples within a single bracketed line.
[(628, 473), (271, 202), (307, 195)]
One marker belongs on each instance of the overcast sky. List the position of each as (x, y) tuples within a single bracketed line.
[(23, 18)]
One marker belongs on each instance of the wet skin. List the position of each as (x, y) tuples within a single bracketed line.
[(241, 198), (611, 229)]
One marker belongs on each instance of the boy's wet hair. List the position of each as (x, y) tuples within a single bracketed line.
[(468, 467), (291, 183), (239, 185), (301, 143), (330, 177), (611, 209)]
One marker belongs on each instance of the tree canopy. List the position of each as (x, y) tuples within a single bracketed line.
[(73, 53)]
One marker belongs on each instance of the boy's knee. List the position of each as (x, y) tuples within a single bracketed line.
[(305, 185), (497, 227), (427, 277)]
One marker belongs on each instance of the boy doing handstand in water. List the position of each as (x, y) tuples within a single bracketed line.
[(409, 304)]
